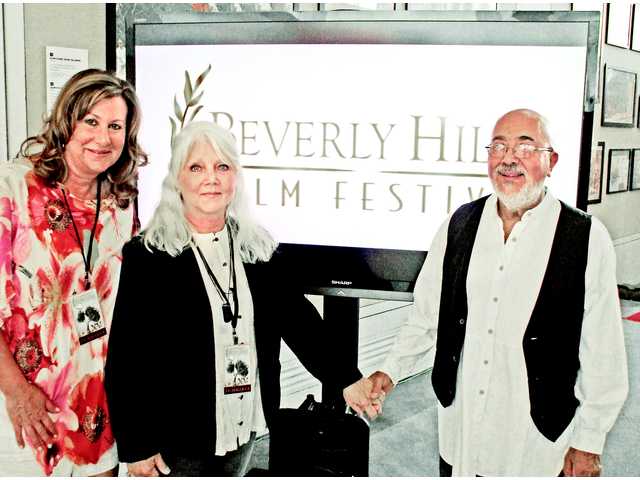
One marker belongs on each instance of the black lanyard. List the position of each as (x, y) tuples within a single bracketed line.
[(87, 258), (226, 307)]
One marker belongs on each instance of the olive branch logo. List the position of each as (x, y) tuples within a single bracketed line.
[(191, 100)]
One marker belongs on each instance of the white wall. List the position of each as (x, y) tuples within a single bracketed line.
[(60, 25), (14, 126), (620, 212), (3, 99)]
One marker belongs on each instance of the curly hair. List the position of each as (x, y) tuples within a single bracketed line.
[(78, 96)]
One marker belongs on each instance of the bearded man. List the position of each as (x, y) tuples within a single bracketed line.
[(518, 294)]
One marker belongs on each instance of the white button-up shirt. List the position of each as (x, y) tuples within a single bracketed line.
[(238, 414), (488, 429)]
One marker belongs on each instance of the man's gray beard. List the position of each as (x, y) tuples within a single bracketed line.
[(526, 198)]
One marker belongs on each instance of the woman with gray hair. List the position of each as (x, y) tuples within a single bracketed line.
[(193, 367)]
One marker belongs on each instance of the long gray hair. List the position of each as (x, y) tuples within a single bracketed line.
[(169, 229)]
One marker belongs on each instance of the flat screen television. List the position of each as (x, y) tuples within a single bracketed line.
[(360, 132)]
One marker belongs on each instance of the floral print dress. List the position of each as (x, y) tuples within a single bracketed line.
[(41, 268)]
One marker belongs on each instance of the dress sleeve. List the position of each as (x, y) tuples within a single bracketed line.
[(602, 384), (418, 335), (6, 251), (130, 371)]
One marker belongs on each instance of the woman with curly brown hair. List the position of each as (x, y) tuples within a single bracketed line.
[(66, 209)]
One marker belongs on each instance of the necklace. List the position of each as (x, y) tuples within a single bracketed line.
[(86, 258), (227, 314)]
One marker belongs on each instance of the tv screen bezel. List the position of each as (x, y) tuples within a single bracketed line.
[(447, 28)]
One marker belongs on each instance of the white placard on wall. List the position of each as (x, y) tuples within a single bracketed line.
[(62, 64)]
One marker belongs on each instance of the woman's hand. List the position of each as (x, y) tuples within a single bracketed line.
[(28, 408), (151, 467), (359, 397)]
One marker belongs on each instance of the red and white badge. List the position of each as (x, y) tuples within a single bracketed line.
[(237, 369), (87, 316)]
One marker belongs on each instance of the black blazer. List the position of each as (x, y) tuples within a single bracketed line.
[(160, 370)]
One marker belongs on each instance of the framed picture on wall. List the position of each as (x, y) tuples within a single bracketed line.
[(618, 24), (635, 28), (618, 173), (587, 6), (452, 6), (327, 7), (618, 97), (635, 170), (595, 174)]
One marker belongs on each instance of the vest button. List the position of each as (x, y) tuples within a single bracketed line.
[(461, 321), (453, 357)]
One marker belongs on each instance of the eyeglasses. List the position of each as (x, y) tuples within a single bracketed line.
[(522, 150)]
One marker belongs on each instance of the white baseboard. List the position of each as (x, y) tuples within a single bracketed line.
[(628, 259), (628, 239)]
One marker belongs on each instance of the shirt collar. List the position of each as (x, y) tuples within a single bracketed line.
[(207, 238), (544, 207)]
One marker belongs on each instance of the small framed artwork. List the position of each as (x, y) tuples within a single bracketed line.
[(587, 6), (595, 174), (328, 7), (306, 7), (618, 173), (635, 28), (618, 98), (618, 24), (451, 6), (635, 170), (531, 7)]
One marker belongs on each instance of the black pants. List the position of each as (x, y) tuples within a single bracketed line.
[(233, 464), (446, 470)]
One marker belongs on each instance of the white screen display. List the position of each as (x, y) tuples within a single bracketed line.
[(362, 145)]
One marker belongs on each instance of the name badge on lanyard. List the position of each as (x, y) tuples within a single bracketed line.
[(237, 369), (87, 316)]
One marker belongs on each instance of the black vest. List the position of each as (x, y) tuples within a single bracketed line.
[(552, 339)]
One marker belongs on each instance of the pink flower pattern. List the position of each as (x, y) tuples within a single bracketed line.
[(41, 268)]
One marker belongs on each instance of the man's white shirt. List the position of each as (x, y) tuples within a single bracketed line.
[(488, 429)]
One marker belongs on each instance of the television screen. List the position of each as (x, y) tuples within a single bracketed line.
[(360, 132)]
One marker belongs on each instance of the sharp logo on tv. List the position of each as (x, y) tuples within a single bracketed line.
[(360, 145), (343, 283)]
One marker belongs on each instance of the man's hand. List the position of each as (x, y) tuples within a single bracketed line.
[(28, 408), (581, 464), (382, 384), (359, 397), (151, 467)]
